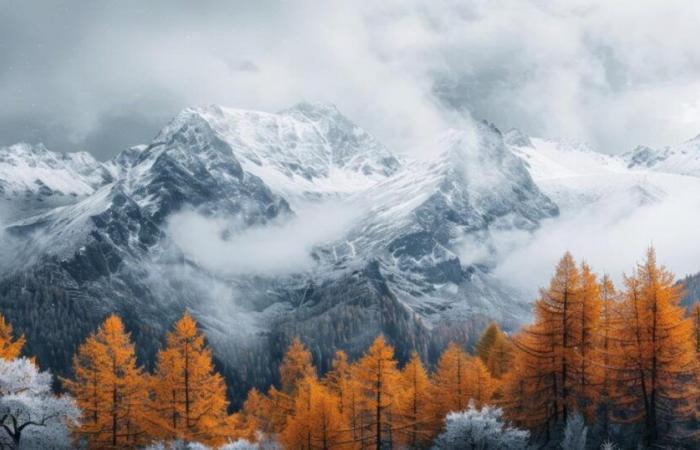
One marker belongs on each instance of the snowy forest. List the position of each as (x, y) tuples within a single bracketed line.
[(600, 366)]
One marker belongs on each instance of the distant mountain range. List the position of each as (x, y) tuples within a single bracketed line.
[(83, 238)]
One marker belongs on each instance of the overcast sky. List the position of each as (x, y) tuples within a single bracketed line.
[(101, 76)]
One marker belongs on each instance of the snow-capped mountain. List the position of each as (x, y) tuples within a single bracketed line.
[(308, 151), (416, 221), (404, 264), (34, 179), (683, 159), (574, 176)]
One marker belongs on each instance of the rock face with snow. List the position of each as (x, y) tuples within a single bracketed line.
[(308, 151), (682, 159), (33, 179), (398, 267)]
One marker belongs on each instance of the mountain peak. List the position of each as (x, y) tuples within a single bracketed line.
[(310, 149)]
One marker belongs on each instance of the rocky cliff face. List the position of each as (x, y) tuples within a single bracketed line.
[(395, 268)]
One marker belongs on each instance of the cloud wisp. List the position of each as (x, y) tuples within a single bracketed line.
[(279, 248), (611, 236)]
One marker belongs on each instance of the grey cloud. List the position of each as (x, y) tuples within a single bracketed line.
[(105, 75)]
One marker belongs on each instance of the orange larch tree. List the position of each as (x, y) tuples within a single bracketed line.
[(110, 389), (252, 417), (658, 380), (338, 379), (417, 425), (556, 313), (316, 421), (605, 351), (297, 364), (378, 382), (450, 381), (10, 348), (530, 390), (486, 341), (341, 380), (189, 396), (548, 357), (587, 315), (481, 385), (500, 358)]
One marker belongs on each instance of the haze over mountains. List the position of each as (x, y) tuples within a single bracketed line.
[(267, 226)]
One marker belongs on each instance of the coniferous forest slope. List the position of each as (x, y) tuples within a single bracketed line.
[(291, 254)]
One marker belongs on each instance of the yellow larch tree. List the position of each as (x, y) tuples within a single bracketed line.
[(252, 417), (189, 396), (657, 354), (486, 341), (556, 312), (110, 389), (10, 348), (500, 359), (341, 380), (604, 352), (586, 373), (316, 421), (417, 425), (297, 364), (530, 390), (544, 384), (338, 379), (378, 382), (450, 381), (481, 384)]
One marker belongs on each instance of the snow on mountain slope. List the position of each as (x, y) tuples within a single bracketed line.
[(575, 176), (34, 179), (308, 151), (186, 167), (397, 267), (683, 159), (25, 167), (472, 183), (604, 205), (415, 224)]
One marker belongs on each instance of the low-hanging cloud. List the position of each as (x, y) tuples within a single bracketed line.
[(277, 248), (612, 237)]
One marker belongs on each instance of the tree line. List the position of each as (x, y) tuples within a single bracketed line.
[(621, 363)]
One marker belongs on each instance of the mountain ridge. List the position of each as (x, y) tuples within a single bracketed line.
[(398, 267)]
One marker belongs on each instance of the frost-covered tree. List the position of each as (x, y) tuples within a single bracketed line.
[(240, 444), (243, 444), (31, 416), (177, 445), (608, 445), (480, 430), (575, 433)]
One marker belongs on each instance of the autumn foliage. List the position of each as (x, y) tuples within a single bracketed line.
[(625, 358), (188, 397), (110, 389), (10, 347)]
